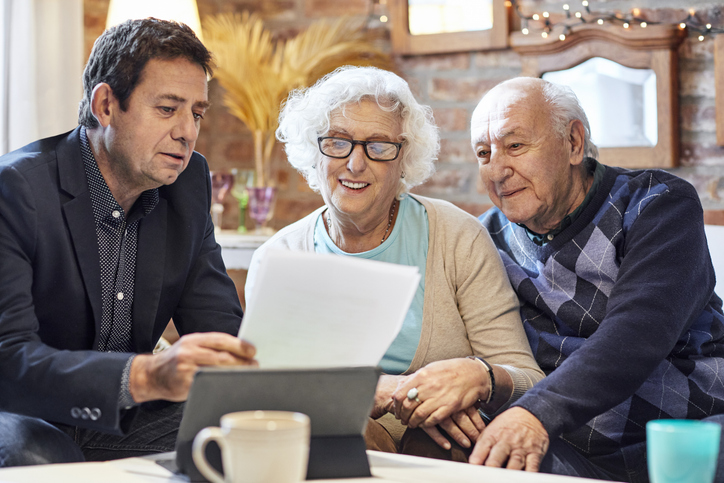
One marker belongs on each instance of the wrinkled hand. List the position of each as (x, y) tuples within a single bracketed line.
[(168, 374), (445, 388), (514, 436), (464, 427), (386, 386)]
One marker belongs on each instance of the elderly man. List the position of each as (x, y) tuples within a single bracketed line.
[(105, 235), (616, 286)]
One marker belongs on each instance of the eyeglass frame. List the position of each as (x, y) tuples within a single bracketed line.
[(364, 144)]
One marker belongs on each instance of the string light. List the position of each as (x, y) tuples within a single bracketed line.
[(625, 21)]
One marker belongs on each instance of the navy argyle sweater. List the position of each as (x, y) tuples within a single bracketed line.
[(620, 313)]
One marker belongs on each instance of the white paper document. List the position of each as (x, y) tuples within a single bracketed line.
[(319, 310)]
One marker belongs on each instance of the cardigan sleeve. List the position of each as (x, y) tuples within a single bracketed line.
[(664, 280), (472, 287)]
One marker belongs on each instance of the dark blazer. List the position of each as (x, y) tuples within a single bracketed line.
[(50, 287)]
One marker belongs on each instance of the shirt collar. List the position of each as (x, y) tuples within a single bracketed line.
[(597, 170), (102, 200)]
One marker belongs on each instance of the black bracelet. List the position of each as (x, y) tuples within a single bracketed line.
[(491, 394)]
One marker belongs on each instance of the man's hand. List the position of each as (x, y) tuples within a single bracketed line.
[(386, 386), (514, 436), (168, 374)]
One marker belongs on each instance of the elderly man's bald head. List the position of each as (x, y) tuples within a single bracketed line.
[(559, 103)]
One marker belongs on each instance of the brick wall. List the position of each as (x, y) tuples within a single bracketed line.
[(452, 84)]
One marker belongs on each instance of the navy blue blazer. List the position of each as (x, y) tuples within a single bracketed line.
[(50, 282)]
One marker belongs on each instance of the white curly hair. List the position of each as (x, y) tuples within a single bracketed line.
[(305, 116)]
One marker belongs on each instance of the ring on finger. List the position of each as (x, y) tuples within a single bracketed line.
[(412, 395)]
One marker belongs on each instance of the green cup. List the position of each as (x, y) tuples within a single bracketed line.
[(682, 450)]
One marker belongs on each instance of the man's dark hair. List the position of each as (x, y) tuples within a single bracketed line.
[(120, 54)]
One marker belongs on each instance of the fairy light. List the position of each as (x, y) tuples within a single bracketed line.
[(383, 18), (626, 21)]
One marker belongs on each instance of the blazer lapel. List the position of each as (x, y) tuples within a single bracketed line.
[(150, 264), (78, 213)]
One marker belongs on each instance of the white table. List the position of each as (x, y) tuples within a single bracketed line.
[(386, 468), (237, 248)]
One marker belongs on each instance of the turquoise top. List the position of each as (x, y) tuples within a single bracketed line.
[(406, 245)]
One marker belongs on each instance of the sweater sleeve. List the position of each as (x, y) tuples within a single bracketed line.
[(489, 308), (665, 278)]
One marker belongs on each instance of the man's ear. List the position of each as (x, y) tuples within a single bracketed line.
[(576, 135), (102, 104)]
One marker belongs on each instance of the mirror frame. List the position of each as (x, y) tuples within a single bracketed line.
[(653, 47), (719, 87), (407, 44)]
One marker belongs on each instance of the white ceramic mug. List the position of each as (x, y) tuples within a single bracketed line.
[(256, 447)]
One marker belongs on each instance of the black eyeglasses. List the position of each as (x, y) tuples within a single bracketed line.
[(375, 150)]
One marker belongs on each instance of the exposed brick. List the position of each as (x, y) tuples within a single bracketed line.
[(335, 8), (461, 88), (698, 117), (288, 210), (696, 83), (239, 150), (701, 154), (500, 58), (434, 63), (456, 151), (694, 49), (452, 119), (447, 182)]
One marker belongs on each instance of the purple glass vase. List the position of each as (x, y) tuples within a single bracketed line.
[(261, 205)]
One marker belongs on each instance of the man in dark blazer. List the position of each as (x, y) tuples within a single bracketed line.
[(105, 236)]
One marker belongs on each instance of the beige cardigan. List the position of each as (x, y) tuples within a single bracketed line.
[(469, 306)]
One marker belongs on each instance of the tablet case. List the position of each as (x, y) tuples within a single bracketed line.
[(338, 402)]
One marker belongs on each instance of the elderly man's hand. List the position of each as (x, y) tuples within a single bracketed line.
[(515, 437), (168, 374)]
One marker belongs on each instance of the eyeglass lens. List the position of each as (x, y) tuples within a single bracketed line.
[(341, 148)]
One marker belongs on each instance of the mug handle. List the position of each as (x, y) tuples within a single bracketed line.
[(198, 452)]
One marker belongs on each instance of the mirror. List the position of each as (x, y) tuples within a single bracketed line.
[(442, 26), (639, 86), (441, 16), (620, 102)]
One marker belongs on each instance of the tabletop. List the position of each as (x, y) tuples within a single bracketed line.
[(386, 468)]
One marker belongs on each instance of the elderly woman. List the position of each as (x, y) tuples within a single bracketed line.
[(361, 139)]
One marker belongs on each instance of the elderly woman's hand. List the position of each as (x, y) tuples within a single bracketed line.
[(445, 390), (515, 437), (386, 386), (464, 427)]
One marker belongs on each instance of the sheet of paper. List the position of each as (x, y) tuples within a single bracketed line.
[(318, 310)]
